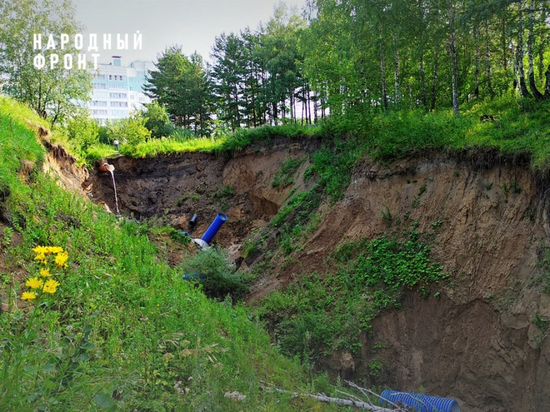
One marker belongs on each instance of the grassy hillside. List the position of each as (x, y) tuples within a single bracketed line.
[(119, 329)]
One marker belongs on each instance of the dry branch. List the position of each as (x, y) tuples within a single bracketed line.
[(339, 401)]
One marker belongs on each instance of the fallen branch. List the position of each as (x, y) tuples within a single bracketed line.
[(366, 391), (337, 401)]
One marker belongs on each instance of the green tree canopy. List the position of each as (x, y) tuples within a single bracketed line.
[(180, 84), (52, 91), (157, 120)]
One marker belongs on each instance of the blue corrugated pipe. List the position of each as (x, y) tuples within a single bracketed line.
[(420, 403), (214, 227)]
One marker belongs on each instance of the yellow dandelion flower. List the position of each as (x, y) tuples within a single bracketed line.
[(40, 250), (55, 249), (28, 296), (50, 286), (34, 283), (41, 257), (45, 273), (61, 259)]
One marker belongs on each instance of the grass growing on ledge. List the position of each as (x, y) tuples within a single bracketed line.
[(220, 144)]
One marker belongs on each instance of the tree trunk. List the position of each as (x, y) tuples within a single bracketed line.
[(504, 44), (478, 64), (488, 67), (519, 54), (396, 73), (454, 63), (434, 78), (422, 73), (547, 88), (383, 78), (530, 40)]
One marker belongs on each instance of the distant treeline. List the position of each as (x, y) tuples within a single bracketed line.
[(356, 56)]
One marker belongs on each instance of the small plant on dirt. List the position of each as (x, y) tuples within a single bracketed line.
[(387, 216), (7, 235), (488, 185), (437, 224), (283, 177), (516, 189), (225, 192), (375, 367), (421, 190), (541, 322), (505, 189)]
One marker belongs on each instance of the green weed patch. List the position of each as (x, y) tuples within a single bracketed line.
[(318, 315)]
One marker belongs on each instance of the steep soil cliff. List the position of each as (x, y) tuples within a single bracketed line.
[(482, 341)]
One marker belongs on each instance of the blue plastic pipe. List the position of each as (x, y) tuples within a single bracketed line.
[(420, 403), (214, 227)]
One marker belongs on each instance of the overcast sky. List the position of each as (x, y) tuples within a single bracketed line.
[(190, 24)]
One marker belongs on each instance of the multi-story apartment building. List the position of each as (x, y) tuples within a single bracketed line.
[(118, 90)]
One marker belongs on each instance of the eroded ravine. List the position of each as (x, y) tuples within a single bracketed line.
[(488, 216)]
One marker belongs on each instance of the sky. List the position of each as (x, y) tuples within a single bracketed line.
[(193, 25)]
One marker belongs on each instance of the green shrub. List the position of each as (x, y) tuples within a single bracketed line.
[(157, 120), (218, 277), (129, 130), (82, 132)]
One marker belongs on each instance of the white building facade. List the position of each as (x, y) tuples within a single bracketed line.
[(117, 91)]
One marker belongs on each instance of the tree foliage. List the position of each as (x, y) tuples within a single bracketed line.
[(130, 130), (256, 76), (157, 120), (52, 92), (352, 57), (180, 84)]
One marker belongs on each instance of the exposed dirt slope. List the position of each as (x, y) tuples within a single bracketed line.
[(176, 187), (477, 342), (488, 218)]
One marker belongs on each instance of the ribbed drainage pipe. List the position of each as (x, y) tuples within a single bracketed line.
[(214, 227), (419, 402)]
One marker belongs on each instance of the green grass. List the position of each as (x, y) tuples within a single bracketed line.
[(123, 331), (284, 176), (17, 142), (219, 144)]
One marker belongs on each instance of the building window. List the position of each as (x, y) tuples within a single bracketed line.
[(118, 95)]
